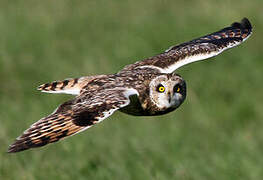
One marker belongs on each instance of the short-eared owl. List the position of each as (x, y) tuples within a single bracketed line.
[(146, 88)]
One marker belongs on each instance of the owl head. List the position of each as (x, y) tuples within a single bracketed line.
[(167, 91)]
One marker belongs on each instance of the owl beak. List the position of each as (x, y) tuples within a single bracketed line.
[(169, 97)]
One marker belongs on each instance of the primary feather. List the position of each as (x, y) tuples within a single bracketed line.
[(198, 49), (72, 117), (97, 97)]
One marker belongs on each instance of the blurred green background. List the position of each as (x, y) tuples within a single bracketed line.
[(216, 134)]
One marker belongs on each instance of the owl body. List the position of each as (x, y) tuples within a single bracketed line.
[(145, 81), (145, 88)]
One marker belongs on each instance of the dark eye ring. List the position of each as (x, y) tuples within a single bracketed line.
[(160, 88), (177, 88)]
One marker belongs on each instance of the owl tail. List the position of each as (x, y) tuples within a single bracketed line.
[(68, 86)]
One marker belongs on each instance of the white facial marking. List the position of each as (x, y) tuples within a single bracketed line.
[(168, 98)]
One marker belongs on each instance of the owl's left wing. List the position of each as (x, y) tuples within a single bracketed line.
[(198, 49), (73, 117)]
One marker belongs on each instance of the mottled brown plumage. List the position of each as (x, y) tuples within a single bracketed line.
[(145, 88)]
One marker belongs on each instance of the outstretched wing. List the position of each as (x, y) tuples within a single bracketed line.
[(73, 117), (198, 49)]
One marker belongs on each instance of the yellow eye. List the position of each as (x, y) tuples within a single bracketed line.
[(161, 88), (177, 88)]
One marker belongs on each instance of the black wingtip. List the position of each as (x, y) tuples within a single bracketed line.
[(17, 146), (13, 149), (244, 24)]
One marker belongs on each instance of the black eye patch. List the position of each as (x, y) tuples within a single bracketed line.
[(177, 88), (160, 88)]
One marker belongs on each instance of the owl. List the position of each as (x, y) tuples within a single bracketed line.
[(146, 88)]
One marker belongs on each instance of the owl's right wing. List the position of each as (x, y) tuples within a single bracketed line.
[(198, 49), (73, 117)]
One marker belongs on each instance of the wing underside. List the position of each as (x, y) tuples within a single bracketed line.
[(72, 117), (198, 49)]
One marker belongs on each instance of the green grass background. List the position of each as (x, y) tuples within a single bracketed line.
[(217, 132)]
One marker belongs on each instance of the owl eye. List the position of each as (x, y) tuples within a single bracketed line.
[(177, 88), (160, 88)]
